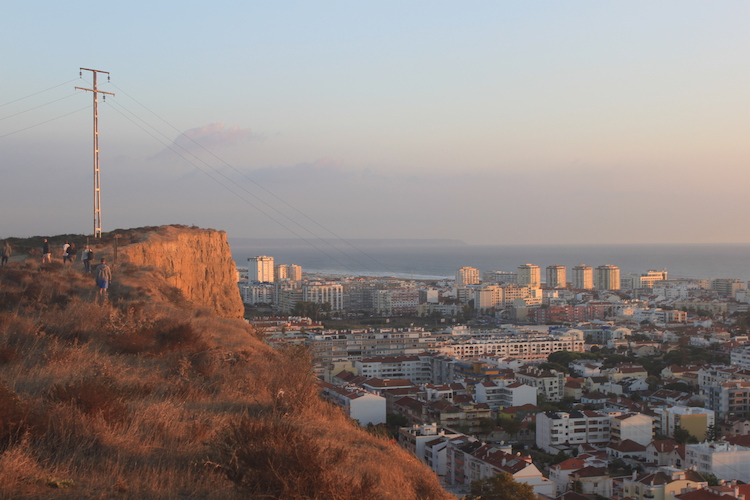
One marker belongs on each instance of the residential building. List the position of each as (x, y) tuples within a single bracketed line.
[(556, 277), (693, 419), (583, 277), (321, 292), (607, 277), (412, 367), (725, 461), (360, 405), (635, 427), (260, 269), (727, 287), (549, 383), (529, 275), (467, 276), (500, 277), (469, 460), (560, 431), (662, 484)]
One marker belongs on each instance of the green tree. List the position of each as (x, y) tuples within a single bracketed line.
[(510, 426), (500, 487), (681, 435), (712, 433)]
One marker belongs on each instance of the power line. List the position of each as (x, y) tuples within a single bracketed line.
[(240, 196), (46, 121), (37, 107), (349, 244), (40, 92)]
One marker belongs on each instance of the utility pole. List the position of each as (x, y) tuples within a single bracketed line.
[(97, 182)]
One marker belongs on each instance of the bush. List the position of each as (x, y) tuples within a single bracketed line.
[(93, 397), (275, 459), (16, 418)]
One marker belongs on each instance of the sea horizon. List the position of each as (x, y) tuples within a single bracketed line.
[(440, 258)]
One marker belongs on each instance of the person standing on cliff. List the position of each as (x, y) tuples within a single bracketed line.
[(5, 252), (87, 256), (103, 277), (71, 252), (65, 252), (46, 255)]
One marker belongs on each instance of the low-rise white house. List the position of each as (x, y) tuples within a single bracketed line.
[(360, 405)]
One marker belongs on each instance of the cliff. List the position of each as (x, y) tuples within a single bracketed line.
[(196, 261), (161, 391)]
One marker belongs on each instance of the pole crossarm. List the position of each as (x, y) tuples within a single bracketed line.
[(97, 91)]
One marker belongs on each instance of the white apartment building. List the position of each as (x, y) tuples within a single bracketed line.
[(583, 277), (412, 367), (607, 277), (529, 275), (499, 277), (740, 356), (556, 276), (527, 346), (467, 276), (549, 383), (556, 431), (635, 427), (399, 301), (503, 393), (260, 269), (257, 293), (725, 461), (360, 405), (642, 280), (324, 292)]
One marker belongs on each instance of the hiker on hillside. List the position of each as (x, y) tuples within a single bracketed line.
[(46, 255), (72, 253), (87, 256), (65, 252), (5, 252), (103, 277)]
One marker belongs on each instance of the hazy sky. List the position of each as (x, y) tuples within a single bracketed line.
[(490, 122)]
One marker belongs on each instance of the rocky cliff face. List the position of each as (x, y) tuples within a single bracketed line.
[(196, 261)]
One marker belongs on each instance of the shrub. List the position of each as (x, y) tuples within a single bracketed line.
[(273, 458), (16, 418), (93, 397)]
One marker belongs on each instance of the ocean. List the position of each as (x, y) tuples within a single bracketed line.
[(433, 259)]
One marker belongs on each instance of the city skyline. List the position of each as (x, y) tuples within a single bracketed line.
[(533, 123)]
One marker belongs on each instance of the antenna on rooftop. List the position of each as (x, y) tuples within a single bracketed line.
[(97, 182)]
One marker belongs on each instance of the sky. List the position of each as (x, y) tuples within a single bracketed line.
[(535, 122)]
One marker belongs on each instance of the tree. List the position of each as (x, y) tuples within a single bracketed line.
[(712, 433), (500, 487), (486, 426), (510, 426), (681, 435)]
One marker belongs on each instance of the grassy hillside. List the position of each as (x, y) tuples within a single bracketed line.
[(146, 396)]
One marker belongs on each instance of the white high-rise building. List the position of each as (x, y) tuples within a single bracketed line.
[(467, 276), (607, 278), (261, 269), (529, 275), (583, 277), (556, 276), (294, 272)]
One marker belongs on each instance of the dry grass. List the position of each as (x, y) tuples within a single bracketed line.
[(145, 397)]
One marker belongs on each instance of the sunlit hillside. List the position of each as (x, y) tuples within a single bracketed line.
[(150, 394)]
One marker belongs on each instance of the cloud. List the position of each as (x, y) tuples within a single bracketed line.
[(209, 137)]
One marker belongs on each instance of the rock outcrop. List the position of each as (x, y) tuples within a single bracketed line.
[(196, 261)]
